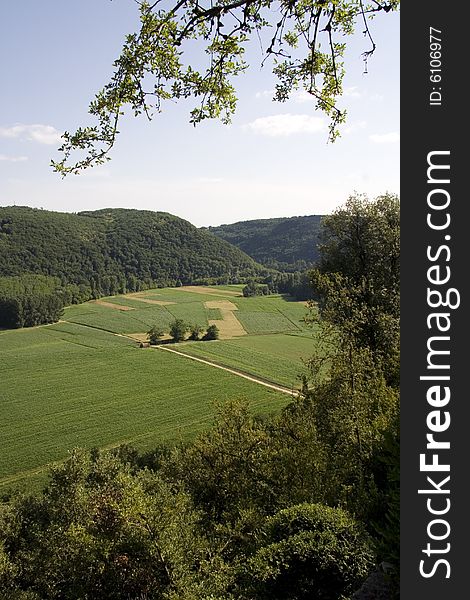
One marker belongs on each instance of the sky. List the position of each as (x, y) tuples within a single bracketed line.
[(274, 160)]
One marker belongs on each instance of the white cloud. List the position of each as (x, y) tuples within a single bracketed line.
[(209, 180), (297, 96), (352, 92), (302, 96), (286, 124), (265, 94), (5, 158), (356, 126), (43, 134), (385, 138)]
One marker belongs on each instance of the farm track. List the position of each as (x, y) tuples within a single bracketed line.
[(272, 386)]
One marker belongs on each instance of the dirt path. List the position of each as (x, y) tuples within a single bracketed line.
[(278, 388)]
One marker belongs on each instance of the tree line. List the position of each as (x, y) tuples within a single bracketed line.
[(115, 251), (31, 300)]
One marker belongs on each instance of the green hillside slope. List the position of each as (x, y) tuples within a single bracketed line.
[(284, 243), (116, 250)]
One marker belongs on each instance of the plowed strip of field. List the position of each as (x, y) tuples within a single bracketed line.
[(149, 301), (111, 305), (201, 289), (272, 386), (229, 326)]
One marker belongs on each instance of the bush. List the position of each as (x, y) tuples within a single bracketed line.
[(195, 332), (255, 289), (155, 334), (309, 551), (212, 333)]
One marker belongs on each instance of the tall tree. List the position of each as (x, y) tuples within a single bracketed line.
[(306, 40), (358, 278)]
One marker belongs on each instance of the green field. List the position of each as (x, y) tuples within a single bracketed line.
[(81, 382), (275, 358)]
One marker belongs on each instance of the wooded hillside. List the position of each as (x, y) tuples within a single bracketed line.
[(287, 244), (116, 250)]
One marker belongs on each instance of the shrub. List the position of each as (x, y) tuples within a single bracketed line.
[(195, 332), (309, 551), (212, 333), (155, 334)]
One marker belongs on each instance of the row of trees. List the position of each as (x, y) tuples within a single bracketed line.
[(178, 331), (31, 300)]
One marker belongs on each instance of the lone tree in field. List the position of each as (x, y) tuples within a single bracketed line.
[(305, 40), (155, 334), (178, 330)]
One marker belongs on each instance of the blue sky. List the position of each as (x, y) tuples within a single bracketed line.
[(273, 160)]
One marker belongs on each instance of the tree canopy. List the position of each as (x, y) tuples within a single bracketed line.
[(116, 250), (304, 39)]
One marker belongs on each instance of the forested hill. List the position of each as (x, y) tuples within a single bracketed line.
[(116, 250), (288, 243)]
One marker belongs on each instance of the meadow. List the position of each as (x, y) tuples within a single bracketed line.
[(85, 382)]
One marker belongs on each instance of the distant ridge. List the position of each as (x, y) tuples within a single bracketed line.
[(116, 250), (285, 243)]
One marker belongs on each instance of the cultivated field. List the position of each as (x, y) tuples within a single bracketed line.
[(85, 382)]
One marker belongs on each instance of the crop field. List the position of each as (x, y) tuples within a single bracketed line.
[(82, 382), (276, 358)]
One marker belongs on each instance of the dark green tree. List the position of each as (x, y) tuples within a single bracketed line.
[(178, 330), (310, 551), (195, 332), (212, 333), (155, 334), (357, 281)]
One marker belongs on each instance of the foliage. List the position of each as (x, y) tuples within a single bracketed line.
[(155, 334), (285, 244), (255, 289), (31, 300), (358, 279), (297, 284), (212, 333), (102, 531), (178, 330), (354, 410), (307, 41), (195, 332), (113, 251), (310, 551)]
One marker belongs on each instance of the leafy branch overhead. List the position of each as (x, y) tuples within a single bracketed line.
[(195, 48)]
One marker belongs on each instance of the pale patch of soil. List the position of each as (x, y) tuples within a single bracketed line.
[(148, 301), (229, 326), (221, 304), (201, 289), (111, 305)]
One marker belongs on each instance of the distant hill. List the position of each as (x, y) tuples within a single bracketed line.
[(116, 250), (286, 244)]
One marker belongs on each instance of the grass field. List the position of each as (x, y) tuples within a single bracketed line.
[(81, 382), (275, 358)]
